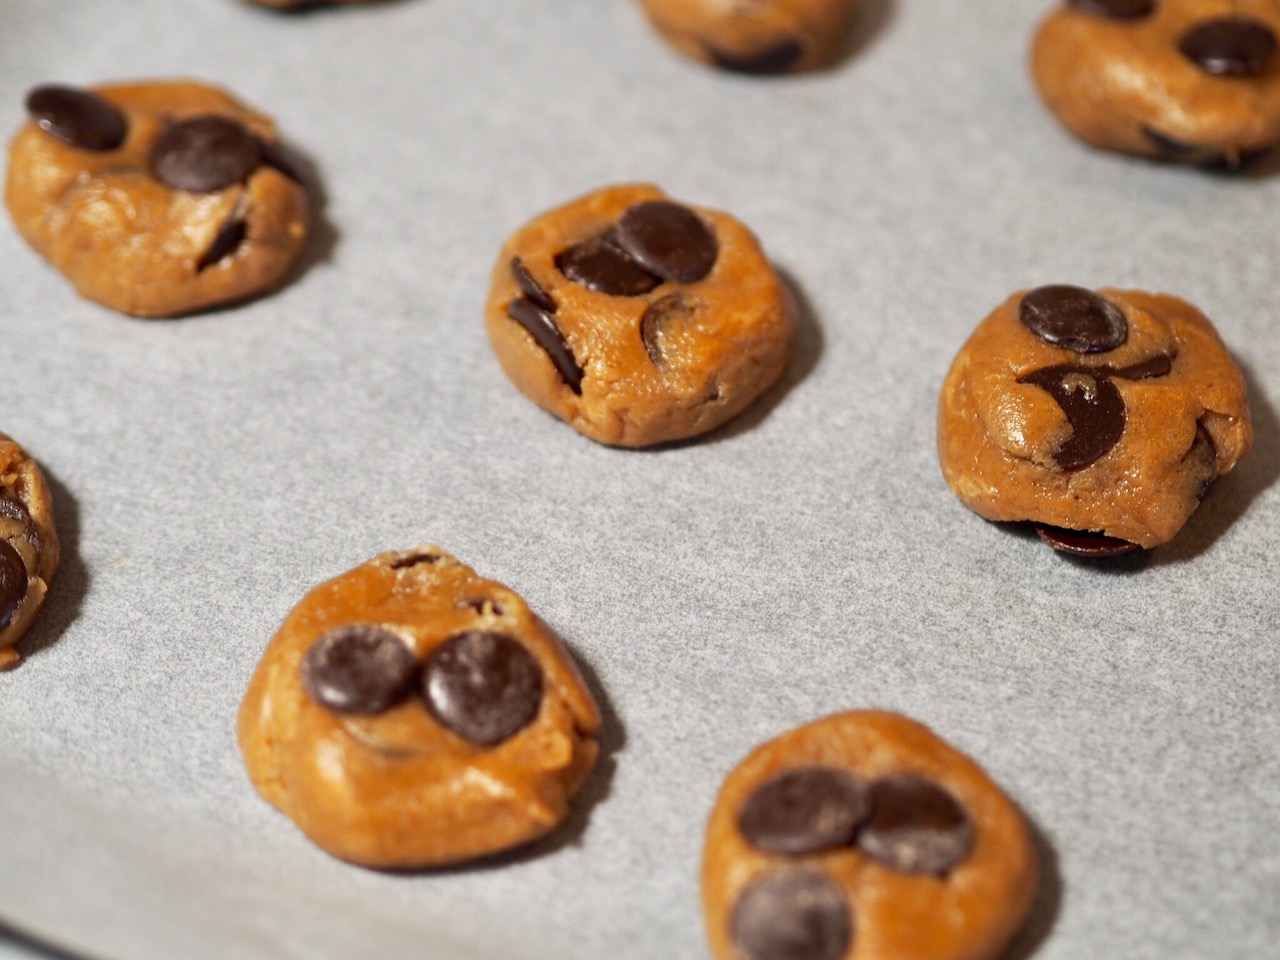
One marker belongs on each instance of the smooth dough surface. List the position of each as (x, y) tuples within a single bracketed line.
[(30, 545)]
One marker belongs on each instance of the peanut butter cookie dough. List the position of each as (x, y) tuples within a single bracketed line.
[(410, 713), (156, 199), (28, 545), (1188, 81), (636, 319), (755, 36), (1101, 417), (863, 836)]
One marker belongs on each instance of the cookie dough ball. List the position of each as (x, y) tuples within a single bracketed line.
[(755, 36), (1102, 417), (636, 319), (28, 545), (1188, 81), (863, 836), (156, 199), (410, 713)]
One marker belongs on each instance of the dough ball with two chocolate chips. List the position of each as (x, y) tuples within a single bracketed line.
[(637, 319), (28, 545), (156, 199), (1102, 417)]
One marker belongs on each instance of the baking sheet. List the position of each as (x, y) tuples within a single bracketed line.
[(806, 559)]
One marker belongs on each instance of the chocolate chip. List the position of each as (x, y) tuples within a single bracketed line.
[(13, 583), (12, 507), (792, 914), (480, 605), (1093, 406), (413, 560), (204, 154), (483, 686), (1157, 366), (1202, 460), (532, 289), (358, 668), (778, 58), (1115, 9), (540, 325), (1230, 46), (1083, 543), (662, 317), (600, 264), (805, 810), (915, 826), (228, 238), (1073, 317), (669, 240), (77, 117), (279, 158)]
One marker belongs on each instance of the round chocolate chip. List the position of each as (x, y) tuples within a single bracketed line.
[(1073, 317), (204, 154), (540, 325), (779, 58), (1115, 9), (1230, 46), (661, 319), (794, 914), (483, 686), (1083, 543), (1093, 407), (600, 264), (77, 117), (805, 810), (532, 289), (915, 826), (13, 583), (669, 240), (358, 668)]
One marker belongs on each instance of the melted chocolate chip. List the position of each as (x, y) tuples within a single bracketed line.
[(1115, 9), (204, 154), (1230, 46), (779, 58), (13, 583), (600, 264), (483, 686), (660, 319), (793, 914), (413, 560), (1083, 543), (1073, 317), (228, 238), (915, 826), (532, 289), (358, 668), (77, 117), (1093, 406), (668, 239), (805, 810), (540, 325)]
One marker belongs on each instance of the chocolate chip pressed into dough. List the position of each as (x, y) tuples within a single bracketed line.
[(29, 549)]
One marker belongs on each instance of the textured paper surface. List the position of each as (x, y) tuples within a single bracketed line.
[(807, 559)]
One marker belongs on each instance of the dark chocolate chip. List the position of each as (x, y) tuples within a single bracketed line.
[(661, 319), (77, 117), (228, 238), (1151, 368), (483, 686), (792, 914), (13, 583), (915, 826), (1073, 317), (1115, 9), (358, 668), (600, 264), (532, 289), (805, 810), (280, 158), (1202, 459), (204, 154), (778, 58), (12, 507), (1083, 543), (413, 560), (668, 239), (480, 605), (542, 327), (1093, 406), (1230, 46)]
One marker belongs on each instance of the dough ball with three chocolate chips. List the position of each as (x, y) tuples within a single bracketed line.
[(1101, 416), (156, 199), (864, 835), (638, 319), (759, 37), (1186, 81), (411, 713), (28, 545)]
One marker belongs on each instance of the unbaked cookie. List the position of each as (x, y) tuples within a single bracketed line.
[(637, 319), (156, 199), (863, 836), (1189, 81), (755, 36), (411, 713), (1101, 417), (28, 545)]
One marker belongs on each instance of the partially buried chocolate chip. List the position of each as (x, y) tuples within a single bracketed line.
[(601, 265), (792, 914), (1115, 9), (1083, 543), (13, 583), (661, 319), (805, 810), (413, 560), (540, 325), (916, 826), (1230, 46), (1202, 460), (204, 154), (669, 240), (483, 686), (225, 242), (532, 289), (1149, 369), (1073, 317), (77, 117), (358, 668), (1093, 407), (779, 58)]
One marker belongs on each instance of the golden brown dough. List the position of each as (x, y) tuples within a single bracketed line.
[(28, 545)]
